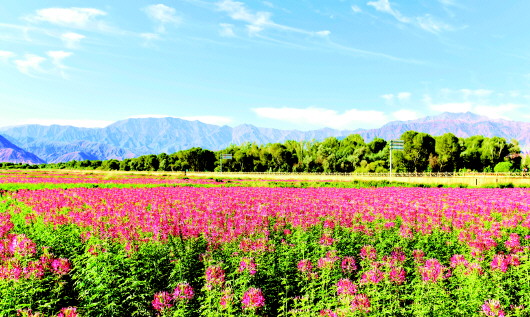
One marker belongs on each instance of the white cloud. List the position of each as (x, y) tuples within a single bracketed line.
[(431, 24), (258, 21), (483, 102), (81, 18), (356, 9), (30, 64), (384, 6), (238, 11), (388, 97), (426, 22), (58, 56), (6, 55), (320, 117), (227, 30), (70, 122), (405, 115), (323, 33), (496, 112), (403, 96), (149, 38), (475, 93), (71, 39), (163, 15)]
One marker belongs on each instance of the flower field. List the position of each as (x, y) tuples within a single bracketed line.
[(204, 250)]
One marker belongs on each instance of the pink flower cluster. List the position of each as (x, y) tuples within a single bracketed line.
[(433, 271), (492, 307), (164, 300), (18, 260), (215, 276), (247, 265), (253, 299)]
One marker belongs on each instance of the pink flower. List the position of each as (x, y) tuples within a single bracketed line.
[(500, 263), (326, 263), (183, 291), (419, 256), (397, 275), (60, 266), (492, 307), (326, 239), (373, 276), (368, 252), (433, 271), (21, 245), (348, 265), (253, 299), (361, 302), (215, 276), (457, 260), (247, 264), (161, 301), (305, 266), (513, 244), (68, 312), (398, 256), (227, 298), (328, 313), (345, 287)]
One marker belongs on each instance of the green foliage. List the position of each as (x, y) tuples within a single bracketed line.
[(503, 167), (421, 153)]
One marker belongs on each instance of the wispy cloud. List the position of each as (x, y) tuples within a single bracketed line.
[(321, 117), (57, 58), (426, 22), (400, 97), (34, 65), (433, 25), (163, 16), (226, 30), (356, 9), (384, 6), (259, 21), (5, 55), (480, 101), (30, 64), (78, 18), (72, 40)]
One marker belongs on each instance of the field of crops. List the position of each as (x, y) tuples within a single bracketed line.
[(130, 245)]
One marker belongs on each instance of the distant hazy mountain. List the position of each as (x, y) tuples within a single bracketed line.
[(460, 124), (12, 153), (135, 137)]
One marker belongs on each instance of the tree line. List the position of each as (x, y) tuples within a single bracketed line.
[(422, 152)]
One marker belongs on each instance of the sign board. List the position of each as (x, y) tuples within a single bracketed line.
[(226, 156), (397, 144)]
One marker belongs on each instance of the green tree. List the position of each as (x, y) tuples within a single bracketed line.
[(448, 149), (417, 149)]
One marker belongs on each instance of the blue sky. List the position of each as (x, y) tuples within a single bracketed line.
[(302, 64)]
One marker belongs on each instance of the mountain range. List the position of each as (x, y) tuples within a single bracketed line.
[(140, 136)]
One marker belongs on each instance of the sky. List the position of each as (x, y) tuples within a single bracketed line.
[(304, 64)]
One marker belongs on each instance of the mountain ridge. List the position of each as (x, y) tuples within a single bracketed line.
[(140, 136)]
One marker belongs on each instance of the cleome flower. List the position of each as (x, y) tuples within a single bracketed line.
[(253, 299)]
